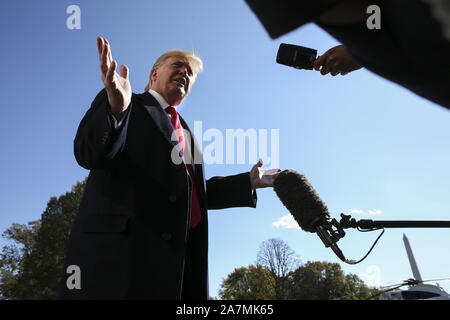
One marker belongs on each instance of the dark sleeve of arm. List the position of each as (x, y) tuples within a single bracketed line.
[(231, 191), (281, 17), (97, 141)]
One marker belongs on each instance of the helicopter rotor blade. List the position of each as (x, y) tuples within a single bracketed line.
[(442, 279), (385, 291)]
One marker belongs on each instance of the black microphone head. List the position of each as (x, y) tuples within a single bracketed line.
[(296, 56), (300, 198)]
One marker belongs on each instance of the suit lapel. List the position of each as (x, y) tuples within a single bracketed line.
[(159, 117), (162, 121)]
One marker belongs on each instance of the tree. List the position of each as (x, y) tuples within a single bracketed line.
[(248, 283), (325, 281), (13, 256), (32, 267), (277, 257)]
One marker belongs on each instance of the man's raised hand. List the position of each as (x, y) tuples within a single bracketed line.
[(117, 86)]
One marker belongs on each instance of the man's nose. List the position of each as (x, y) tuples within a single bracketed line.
[(183, 70)]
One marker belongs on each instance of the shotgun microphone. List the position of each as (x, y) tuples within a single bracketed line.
[(305, 205)]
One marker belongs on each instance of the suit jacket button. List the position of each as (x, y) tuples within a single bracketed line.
[(105, 137), (172, 198), (166, 236)]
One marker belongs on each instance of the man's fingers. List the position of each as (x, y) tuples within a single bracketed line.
[(335, 68), (106, 59), (318, 63), (108, 51), (259, 163), (110, 74), (323, 59), (99, 46), (101, 55), (325, 63), (329, 65), (336, 60), (104, 63), (104, 50), (325, 69), (124, 71), (108, 65)]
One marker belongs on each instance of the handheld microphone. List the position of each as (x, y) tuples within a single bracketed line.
[(305, 205), (296, 56)]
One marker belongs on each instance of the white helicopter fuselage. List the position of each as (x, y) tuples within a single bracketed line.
[(417, 292)]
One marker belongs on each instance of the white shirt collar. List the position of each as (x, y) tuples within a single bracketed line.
[(162, 102)]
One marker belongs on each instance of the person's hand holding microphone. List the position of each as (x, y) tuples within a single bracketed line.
[(336, 60)]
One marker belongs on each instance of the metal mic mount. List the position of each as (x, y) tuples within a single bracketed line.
[(330, 236)]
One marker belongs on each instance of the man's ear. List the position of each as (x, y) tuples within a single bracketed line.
[(154, 75)]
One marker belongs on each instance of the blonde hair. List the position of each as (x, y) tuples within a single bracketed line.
[(194, 60)]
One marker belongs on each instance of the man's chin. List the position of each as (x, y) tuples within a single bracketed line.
[(177, 97)]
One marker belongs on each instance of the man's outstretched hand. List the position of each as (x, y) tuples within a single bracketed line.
[(117, 86), (260, 178), (336, 60)]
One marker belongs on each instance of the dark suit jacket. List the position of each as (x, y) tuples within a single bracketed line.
[(409, 49), (130, 237)]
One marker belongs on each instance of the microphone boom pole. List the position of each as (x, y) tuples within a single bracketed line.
[(369, 225), (349, 222)]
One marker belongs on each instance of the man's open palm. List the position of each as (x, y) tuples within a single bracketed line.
[(117, 86)]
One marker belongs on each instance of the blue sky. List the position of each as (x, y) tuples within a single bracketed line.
[(365, 144)]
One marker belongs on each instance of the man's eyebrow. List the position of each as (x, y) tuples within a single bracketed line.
[(181, 62)]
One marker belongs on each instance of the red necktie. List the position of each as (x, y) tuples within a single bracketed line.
[(195, 206)]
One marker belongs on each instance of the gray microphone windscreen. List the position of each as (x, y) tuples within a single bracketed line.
[(300, 198)]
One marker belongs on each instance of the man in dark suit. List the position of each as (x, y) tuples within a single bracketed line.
[(142, 227)]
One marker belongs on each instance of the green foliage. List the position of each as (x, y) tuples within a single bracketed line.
[(325, 281), (31, 267), (248, 283), (274, 278), (13, 256)]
